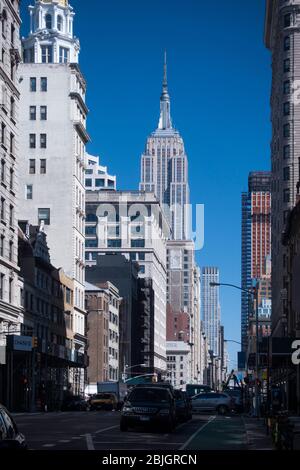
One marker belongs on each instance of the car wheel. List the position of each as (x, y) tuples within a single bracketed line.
[(123, 426), (222, 410)]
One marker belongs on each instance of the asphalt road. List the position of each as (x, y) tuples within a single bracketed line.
[(99, 430)]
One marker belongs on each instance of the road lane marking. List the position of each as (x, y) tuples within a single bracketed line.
[(49, 445), (89, 442), (64, 441), (212, 418), (105, 429)]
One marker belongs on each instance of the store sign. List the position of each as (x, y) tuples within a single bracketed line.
[(20, 343)]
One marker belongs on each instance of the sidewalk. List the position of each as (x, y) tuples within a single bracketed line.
[(257, 438)]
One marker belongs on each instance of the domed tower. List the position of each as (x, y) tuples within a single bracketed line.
[(51, 38)]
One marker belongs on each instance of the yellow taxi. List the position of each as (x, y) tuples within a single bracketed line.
[(104, 401)]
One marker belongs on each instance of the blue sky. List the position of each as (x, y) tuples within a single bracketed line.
[(219, 82)]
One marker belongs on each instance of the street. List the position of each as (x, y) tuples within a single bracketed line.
[(100, 431)]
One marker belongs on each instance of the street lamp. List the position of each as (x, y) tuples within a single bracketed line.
[(254, 293)]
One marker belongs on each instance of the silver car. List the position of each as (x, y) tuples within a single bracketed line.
[(216, 402)]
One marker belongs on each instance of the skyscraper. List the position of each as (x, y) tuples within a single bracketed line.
[(256, 243), (282, 37), (210, 307), (53, 138), (164, 168)]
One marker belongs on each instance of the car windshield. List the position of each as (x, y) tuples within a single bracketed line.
[(156, 395)]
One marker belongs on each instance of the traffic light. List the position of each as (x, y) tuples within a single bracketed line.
[(34, 342)]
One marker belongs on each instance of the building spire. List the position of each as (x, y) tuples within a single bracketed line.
[(165, 81), (165, 121)]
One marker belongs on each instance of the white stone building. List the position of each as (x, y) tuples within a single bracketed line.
[(178, 364), (133, 224), (11, 312), (96, 175), (53, 137)]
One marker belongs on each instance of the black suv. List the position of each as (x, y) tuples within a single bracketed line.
[(10, 437), (149, 406)]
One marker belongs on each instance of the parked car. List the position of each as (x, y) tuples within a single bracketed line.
[(10, 437), (103, 401), (237, 396), (75, 403), (149, 406), (195, 389), (183, 406), (212, 401)]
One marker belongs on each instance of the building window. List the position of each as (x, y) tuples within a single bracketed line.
[(287, 20), (44, 215), (286, 130), (43, 141), (286, 87), (12, 108), (99, 183), (139, 243), (11, 179), (32, 84), (287, 43), (91, 243), (286, 65), (47, 54), (114, 243), (88, 183), (64, 54), (43, 113), (3, 171), (286, 108), (2, 209), (286, 195), (44, 84), (59, 23), (3, 134), (4, 23), (1, 286), (2, 241), (10, 290), (32, 113), (32, 141), (11, 250), (48, 21), (29, 191), (12, 143), (43, 166), (31, 166), (142, 269), (286, 151), (286, 173), (11, 215)]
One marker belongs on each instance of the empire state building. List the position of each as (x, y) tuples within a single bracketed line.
[(164, 168)]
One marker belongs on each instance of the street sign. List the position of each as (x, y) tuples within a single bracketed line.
[(19, 343)]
